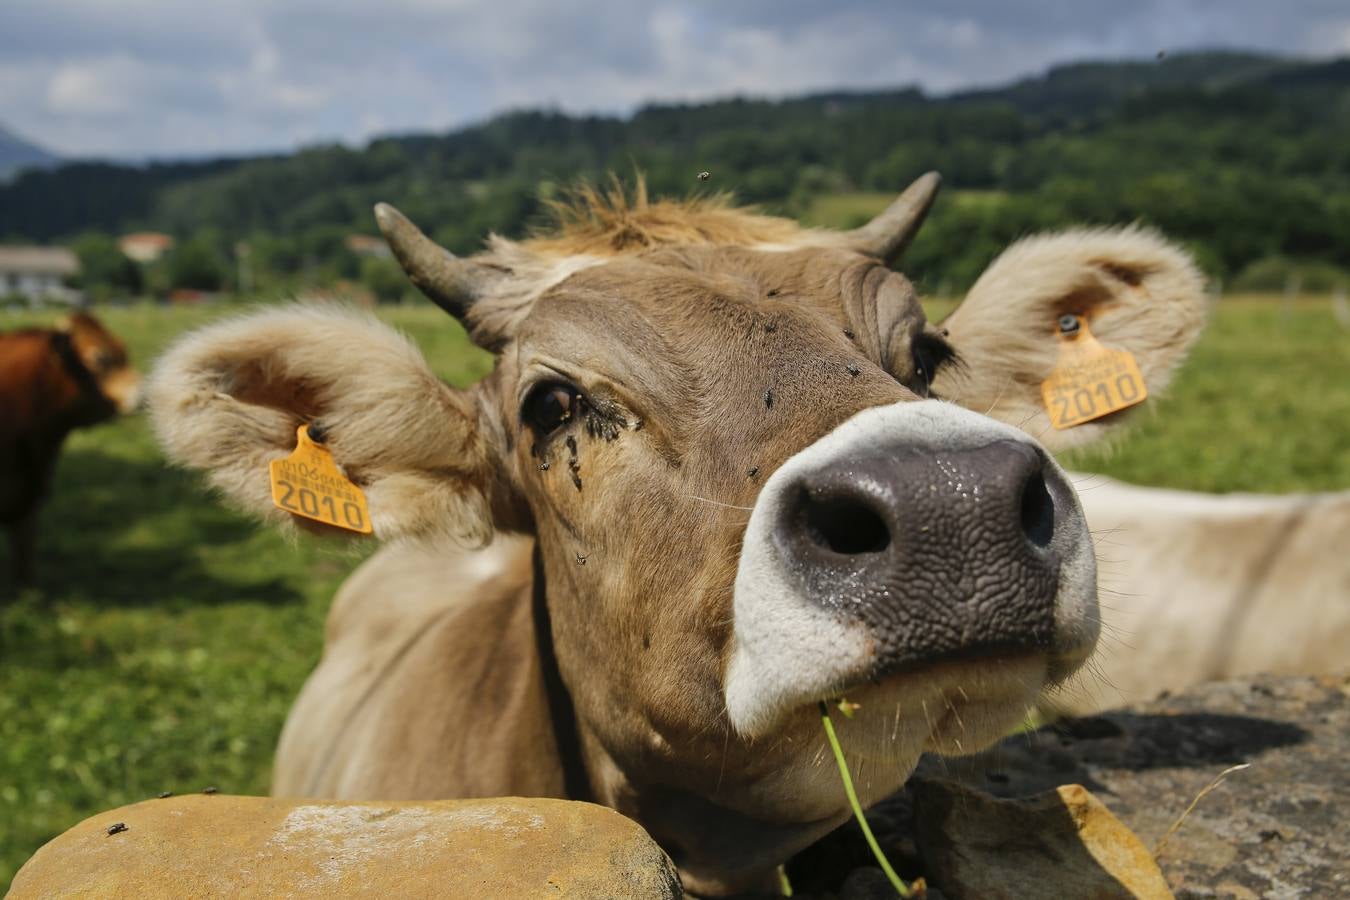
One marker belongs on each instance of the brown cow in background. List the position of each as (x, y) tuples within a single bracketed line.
[(52, 381)]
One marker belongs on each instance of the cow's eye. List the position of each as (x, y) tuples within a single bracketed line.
[(929, 355), (550, 406)]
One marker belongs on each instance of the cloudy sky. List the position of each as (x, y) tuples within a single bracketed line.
[(185, 77)]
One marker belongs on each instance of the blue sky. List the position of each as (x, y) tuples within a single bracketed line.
[(182, 77)]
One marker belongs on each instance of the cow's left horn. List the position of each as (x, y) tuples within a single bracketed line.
[(451, 283), (887, 236)]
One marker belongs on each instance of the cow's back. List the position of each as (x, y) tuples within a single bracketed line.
[(1196, 587), (424, 647), (32, 392)]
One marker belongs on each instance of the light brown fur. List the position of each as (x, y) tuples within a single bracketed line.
[(227, 400), (705, 359), (590, 226), (1201, 587), (389, 641), (594, 222), (1134, 289)]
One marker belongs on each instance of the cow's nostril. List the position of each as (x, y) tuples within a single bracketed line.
[(1038, 511), (846, 526)]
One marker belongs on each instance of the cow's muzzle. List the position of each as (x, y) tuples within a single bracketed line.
[(938, 553), (913, 535)]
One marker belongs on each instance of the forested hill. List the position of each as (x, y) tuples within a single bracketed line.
[(17, 153), (1246, 157)]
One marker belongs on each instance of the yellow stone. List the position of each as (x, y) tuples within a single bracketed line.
[(1062, 843), (222, 846)]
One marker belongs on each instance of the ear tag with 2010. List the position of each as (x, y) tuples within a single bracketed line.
[(308, 483), (1089, 380)]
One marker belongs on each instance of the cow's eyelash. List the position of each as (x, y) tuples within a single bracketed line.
[(603, 423), (550, 408), (932, 352)]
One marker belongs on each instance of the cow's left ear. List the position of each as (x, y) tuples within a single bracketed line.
[(1136, 291), (228, 399)]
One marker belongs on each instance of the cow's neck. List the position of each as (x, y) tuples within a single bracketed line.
[(705, 839), (562, 715)]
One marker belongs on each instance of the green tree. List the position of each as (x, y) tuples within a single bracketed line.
[(105, 271), (384, 279), (1240, 156), (197, 264)]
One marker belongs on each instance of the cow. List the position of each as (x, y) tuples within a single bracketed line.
[(723, 470), (52, 381), (1198, 587)]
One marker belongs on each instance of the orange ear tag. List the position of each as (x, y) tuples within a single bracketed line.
[(308, 483), (1089, 381)]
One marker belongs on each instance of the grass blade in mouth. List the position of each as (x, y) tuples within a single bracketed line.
[(896, 881)]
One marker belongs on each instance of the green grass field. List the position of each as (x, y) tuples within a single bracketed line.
[(169, 636)]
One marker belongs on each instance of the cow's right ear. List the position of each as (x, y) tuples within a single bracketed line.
[(229, 398)]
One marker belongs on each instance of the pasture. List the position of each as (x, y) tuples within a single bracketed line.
[(168, 635)]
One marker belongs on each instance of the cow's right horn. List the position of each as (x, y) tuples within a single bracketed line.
[(451, 283), (887, 236)]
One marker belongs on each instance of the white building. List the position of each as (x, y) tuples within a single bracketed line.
[(38, 273)]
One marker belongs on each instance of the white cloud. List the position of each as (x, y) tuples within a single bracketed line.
[(77, 89), (956, 34), (1331, 40), (102, 87), (168, 77)]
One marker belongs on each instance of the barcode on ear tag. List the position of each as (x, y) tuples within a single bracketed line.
[(309, 484), (1090, 381)]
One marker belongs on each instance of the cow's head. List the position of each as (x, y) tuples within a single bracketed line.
[(757, 476), (97, 363)]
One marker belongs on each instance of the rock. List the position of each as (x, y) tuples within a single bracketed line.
[(221, 846), (1061, 843), (1275, 829), (866, 883)]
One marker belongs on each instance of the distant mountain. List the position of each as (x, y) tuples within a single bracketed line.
[(17, 153), (1088, 89)]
